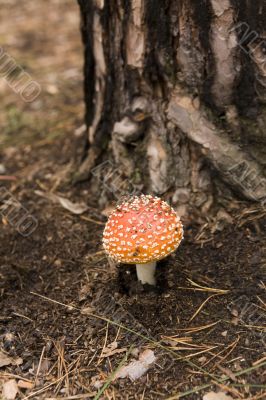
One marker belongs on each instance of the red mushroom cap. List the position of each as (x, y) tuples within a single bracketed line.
[(141, 230)]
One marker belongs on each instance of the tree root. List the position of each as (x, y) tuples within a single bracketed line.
[(236, 167)]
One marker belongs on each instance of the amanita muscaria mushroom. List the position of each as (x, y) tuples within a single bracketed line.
[(141, 231)]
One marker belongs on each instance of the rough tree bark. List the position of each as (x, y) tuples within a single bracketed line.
[(176, 98)]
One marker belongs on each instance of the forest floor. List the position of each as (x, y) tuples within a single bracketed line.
[(69, 321)]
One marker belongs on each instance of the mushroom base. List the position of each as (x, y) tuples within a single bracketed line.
[(146, 273)]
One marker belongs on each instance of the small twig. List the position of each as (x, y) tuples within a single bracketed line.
[(7, 178), (52, 383), (56, 302), (196, 328), (228, 372), (231, 347), (104, 345), (200, 352), (75, 397), (261, 301), (39, 366), (92, 220), (3, 374), (207, 385), (60, 351), (226, 388), (22, 316), (221, 291), (201, 306), (259, 361), (259, 396)]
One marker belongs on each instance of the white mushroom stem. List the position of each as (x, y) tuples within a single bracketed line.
[(146, 273)]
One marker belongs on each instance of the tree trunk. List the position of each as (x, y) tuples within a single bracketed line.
[(176, 99)]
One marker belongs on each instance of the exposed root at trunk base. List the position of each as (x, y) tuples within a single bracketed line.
[(239, 170)]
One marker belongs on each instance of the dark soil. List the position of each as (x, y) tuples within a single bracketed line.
[(63, 261), (62, 303)]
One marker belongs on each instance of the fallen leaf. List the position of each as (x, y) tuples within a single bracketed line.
[(75, 208), (228, 372), (2, 169), (4, 360), (84, 292), (235, 321), (111, 346), (43, 367), (87, 310), (97, 382), (136, 369), (10, 390), (113, 352), (112, 349), (17, 361), (107, 211), (25, 384), (202, 359), (216, 396), (234, 312), (4, 221), (7, 178)]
